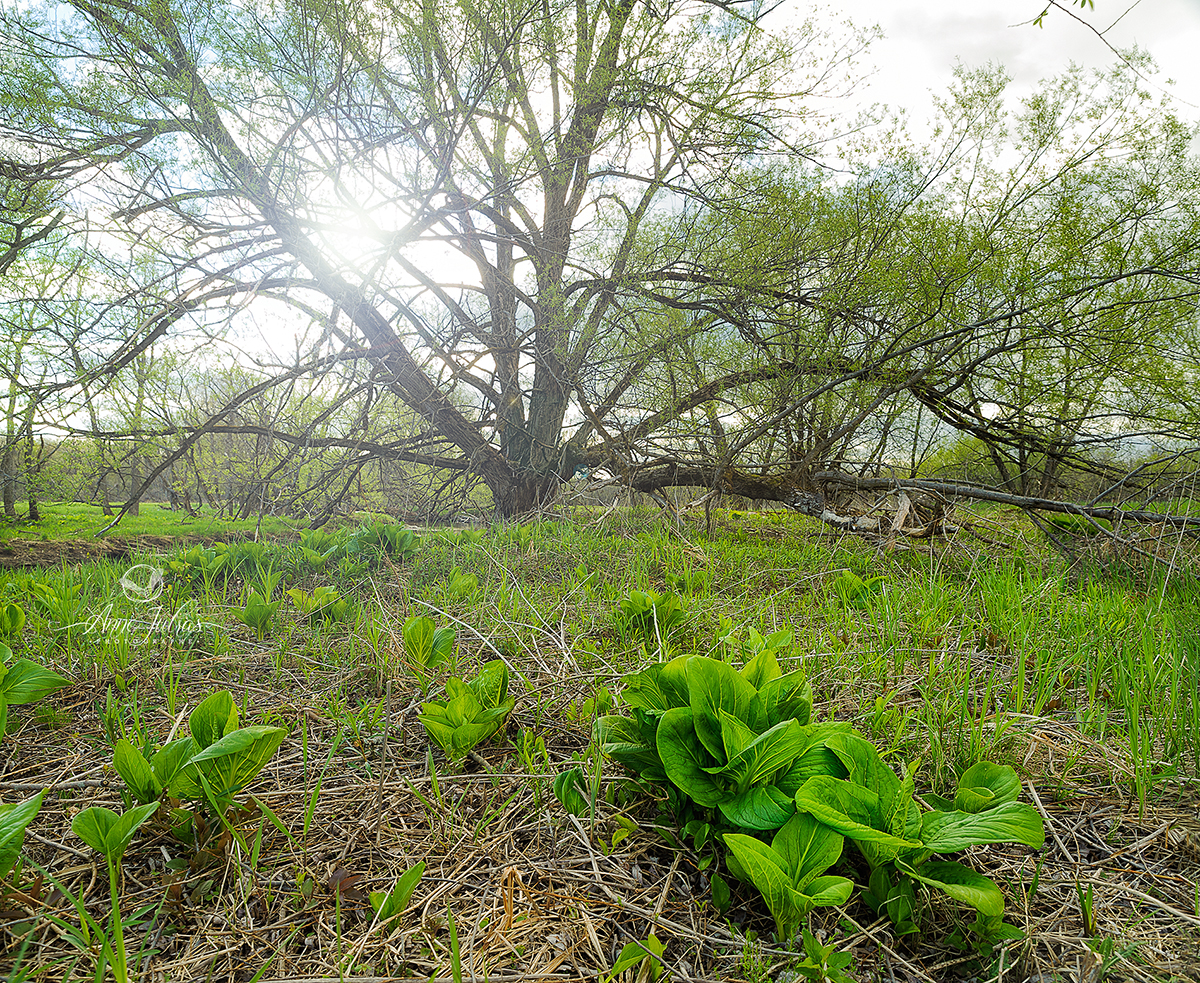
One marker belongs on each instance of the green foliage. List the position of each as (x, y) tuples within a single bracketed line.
[(63, 605), (323, 606), (257, 613), (739, 741), (14, 818), (823, 963), (23, 681), (462, 586), (12, 618), (472, 711), (854, 591), (426, 647), (634, 954), (877, 810), (389, 904), (386, 537), (214, 764), (571, 790), (789, 872), (652, 616), (110, 834), (200, 564)]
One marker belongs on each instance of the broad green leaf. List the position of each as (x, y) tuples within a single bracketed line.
[(136, 772), (491, 685), (417, 633), (14, 818), (986, 785), (788, 697), (170, 758), (92, 825), (232, 762), (684, 758), (442, 646), (761, 669), (712, 686), (569, 789), (3, 717), (962, 884), (769, 753), (27, 682), (1012, 822), (828, 890), (121, 832), (768, 872), (673, 682), (388, 904), (631, 742), (854, 812), (214, 717), (12, 618), (761, 807), (866, 767), (735, 735), (808, 846)]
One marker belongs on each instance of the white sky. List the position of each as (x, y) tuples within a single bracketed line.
[(924, 38)]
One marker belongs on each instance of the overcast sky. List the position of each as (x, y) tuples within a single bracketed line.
[(924, 38)]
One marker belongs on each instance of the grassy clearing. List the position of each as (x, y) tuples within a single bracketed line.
[(944, 653), (78, 520)]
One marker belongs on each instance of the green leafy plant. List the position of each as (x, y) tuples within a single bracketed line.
[(387, 537), (877, 810), (12, 618), (462, 586), (472, 711), (653, 616), (200, 563), (737, 741), (823, 963), (854, 591), (14, 818), (213, 764), (23, 681), (388, 904), (323, 606), (649, 951), (63, 606), (426, 647), (788, 872), (257, 613), (110, 834)]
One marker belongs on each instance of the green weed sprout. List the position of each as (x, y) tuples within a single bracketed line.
[(12, 618), (788, 873), (388, 904), (258, 613), (23, 681), (323, 606), (426, 647), (472, 711), (14, 817), (109, 834), (634, 954)]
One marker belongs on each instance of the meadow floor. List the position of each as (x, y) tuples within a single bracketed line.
[(942, 652)]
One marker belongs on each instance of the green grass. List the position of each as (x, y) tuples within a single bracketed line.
[(944, 654), (76, 520)]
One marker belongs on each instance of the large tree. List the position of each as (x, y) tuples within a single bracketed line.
[(328, 153), (571, 235)]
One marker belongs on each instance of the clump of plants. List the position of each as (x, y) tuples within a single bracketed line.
[(737, 749), (471, 712), (210, 766)]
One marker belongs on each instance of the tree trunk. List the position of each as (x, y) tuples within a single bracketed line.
[(10, 480)]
